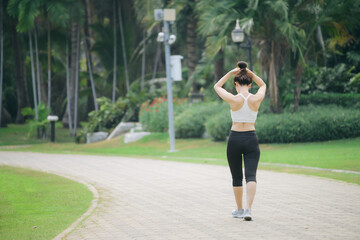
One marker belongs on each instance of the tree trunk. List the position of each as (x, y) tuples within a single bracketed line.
[(49, 65), (42, 86), (37, 64), (6, 117), (68, 95), (298, 78), (76, 97), (143, 63), (191, 47), (123, 48), (157, 58), (72, 77), (91, 76), (115, 53), (219, 68), (319, 38), (1, 56), (88, 36), (273, 82), (33, 77)]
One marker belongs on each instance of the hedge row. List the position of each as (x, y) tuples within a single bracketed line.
[(340, 99), (191, 122), (309, 124)]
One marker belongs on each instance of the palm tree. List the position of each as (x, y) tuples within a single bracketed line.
[(269, 24), (123, 48), (37, 64), (75, 69), (1, 55), (91, 74), (187, 21), (49, 64), (143, 63), (115, 53), (33, 77), (68, 94)]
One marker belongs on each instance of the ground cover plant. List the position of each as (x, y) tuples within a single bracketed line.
[(337, 154), (37, 205)]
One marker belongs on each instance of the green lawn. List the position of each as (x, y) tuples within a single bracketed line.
[(17, 134), (339, 154), (36, 205)]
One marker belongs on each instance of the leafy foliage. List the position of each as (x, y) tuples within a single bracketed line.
[(153, 115), (326, 79), (309, 124), (43, 113), (218, 126), (348, 100), (191, 122)]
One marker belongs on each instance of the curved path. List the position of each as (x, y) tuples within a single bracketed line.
[(154, 199)]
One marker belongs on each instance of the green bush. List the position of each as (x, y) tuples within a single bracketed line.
[(41, 122), (341, 99), (153, 116), (328, 79), (309, 124), (219, 125), (191, 122)]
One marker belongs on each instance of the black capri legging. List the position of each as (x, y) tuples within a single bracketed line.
[(243, 144)]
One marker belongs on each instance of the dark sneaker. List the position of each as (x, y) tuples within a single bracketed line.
[(247, 215)]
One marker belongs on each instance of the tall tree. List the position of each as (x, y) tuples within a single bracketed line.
[(75, 65), (1, 55), (123, 48), (68, 94), (20, 70), (115, 53), (142, 83), (33, 77), (37, 64), (49, 64)]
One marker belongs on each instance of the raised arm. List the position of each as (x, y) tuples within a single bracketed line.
[(262, 86), (225, 95)]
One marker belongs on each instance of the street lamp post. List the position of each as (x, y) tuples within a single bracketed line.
[(167, 15), (238, 36)]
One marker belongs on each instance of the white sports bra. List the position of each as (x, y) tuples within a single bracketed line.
[(245, 114)]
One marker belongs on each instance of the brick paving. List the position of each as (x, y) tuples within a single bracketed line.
[(154, 199)]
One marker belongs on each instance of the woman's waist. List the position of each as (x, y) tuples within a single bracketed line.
[(243, 126)]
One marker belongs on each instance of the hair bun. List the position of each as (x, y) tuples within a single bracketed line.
[(242, 65)]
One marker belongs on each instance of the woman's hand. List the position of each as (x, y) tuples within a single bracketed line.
[(235, 71), (250, 72)]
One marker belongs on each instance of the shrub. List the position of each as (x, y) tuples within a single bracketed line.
[(340, 99), (328, 79), (191, 122), (41, 122), (219, 125), (309, 124), (108, 115), (153, 115)]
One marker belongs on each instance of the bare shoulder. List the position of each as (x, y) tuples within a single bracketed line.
[(237, 102), (255, 101)]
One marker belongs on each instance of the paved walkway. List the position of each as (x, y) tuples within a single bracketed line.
[(150, 199)]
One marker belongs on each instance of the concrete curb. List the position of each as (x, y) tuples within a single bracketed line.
[(94, 204)]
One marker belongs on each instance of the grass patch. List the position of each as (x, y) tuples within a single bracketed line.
[(346, 177), (37, 205), (336, 154), (17, 134)]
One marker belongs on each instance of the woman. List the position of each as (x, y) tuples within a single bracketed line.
[(242, 141)]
